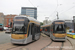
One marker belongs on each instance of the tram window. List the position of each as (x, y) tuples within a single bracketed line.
[(48, 29), (44, 29), (35, 29), (38, 29)]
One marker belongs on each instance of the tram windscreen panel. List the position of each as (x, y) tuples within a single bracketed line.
[(59, 28), (20, 26)]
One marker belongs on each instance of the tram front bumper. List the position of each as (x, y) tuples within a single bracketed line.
[(59, 39), (18, 41)]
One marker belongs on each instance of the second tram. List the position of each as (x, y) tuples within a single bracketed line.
[(56, 30)]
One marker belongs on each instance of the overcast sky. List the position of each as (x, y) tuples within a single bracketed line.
[(45, 8)]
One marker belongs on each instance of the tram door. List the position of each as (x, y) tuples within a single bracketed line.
[(33, 31)]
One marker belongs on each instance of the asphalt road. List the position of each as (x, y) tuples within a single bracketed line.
[(4, 37)]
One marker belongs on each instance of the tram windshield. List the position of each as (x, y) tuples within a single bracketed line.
[(20, 26), (59, 28)]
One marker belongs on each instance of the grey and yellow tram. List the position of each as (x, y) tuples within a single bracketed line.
[(25, 30), (56, 30)]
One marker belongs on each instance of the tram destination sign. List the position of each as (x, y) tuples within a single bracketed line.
[(19, 20), (59, 22)]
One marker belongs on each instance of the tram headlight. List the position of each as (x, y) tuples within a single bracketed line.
[(25, 34)]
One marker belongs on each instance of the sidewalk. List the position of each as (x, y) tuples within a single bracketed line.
[(72, 41), (2, 31)]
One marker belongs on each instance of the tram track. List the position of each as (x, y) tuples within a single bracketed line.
[(12, 47), (61, 46), (52, 43), (47, 45)]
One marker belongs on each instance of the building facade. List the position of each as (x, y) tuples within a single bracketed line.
[(46, 22), (31, 11), (69, 24), (2, 19), (8, 19)]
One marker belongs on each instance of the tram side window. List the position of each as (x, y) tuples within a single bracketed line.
[(38, 29), (35, 29), (48, 29), (43, 28)]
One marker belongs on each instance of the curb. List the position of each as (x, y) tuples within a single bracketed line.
[(2, 31), (71, 43)]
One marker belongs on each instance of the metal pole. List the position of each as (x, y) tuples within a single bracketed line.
[(57, 16)]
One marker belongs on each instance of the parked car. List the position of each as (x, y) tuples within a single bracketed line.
[(1, 28), (8, 30), (5, 28)]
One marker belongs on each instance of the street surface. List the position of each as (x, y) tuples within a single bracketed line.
[(4, 38), (72, 41), (42, 43)]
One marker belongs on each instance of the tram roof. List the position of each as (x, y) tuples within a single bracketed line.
[(51, 23), (30, 18)]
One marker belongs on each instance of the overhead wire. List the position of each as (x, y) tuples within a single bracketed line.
[(31, 2), (67, 10), (55, 9)]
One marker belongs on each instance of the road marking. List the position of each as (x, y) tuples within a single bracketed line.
[(44, 35), (9, 35), (24, 49)]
